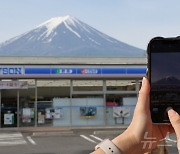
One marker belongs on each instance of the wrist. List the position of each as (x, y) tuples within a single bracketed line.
[(126, 143)]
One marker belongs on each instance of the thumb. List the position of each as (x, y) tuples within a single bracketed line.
[(143, 99), (175, 121)]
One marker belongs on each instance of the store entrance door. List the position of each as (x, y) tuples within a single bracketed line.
[(9, 108)]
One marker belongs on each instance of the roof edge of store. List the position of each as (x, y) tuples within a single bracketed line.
[(73, 60)]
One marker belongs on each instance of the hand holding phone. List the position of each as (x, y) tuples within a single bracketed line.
[(164, 77)]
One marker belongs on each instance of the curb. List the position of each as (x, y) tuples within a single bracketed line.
[(64, 129), (53, 133), (108, 132)]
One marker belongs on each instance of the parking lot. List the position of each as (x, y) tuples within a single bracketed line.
[(78, 142)]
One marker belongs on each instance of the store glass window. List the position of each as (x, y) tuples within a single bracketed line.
[(27, 107), (87, 85), (121, 85), (121, 98), (8, 108), (53, 103), (27, 104)]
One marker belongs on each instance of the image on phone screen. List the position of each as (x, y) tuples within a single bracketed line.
[(164, 80)]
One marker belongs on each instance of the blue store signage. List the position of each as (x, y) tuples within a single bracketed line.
[(74, 71), (82, 71)]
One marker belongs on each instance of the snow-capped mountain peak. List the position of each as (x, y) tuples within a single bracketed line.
[(66, 36), (53, 23)]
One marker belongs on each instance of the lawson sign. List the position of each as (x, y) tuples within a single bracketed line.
[(11, 70)]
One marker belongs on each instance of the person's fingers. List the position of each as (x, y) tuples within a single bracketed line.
[(175, 121), (143, 99)]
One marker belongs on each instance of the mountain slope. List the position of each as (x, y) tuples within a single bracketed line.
[(66, 36)]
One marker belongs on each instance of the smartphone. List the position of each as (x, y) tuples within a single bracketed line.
[(164, 77)]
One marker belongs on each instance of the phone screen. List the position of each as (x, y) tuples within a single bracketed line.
[(164, 78)]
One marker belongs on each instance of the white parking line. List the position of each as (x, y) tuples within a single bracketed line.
[(9, 139), (97, 138), (87, 138), (31, 140), (6, 135)]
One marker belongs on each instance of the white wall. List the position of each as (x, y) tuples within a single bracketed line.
[(127, 102), (64, 103), (131, 103), (80, 102)]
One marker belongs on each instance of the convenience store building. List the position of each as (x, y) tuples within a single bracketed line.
[(68, 92)]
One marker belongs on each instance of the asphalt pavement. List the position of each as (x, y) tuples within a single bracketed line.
[(64, 142)]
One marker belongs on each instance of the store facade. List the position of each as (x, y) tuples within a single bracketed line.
[(68, 92)]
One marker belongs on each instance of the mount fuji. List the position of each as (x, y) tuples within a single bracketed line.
[(67, 36)]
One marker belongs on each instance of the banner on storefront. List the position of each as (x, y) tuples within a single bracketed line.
[(121, 112), (13, 85)]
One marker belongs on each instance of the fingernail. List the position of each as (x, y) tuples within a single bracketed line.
[(143, 81), (169, 108), (171, 112)]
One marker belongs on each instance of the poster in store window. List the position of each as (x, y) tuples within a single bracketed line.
[(8, 118), (41, 118), (88, 112), (54, 113), (119, 112), (27, 115)]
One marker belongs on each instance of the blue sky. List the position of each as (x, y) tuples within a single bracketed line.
[(132, 21)]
